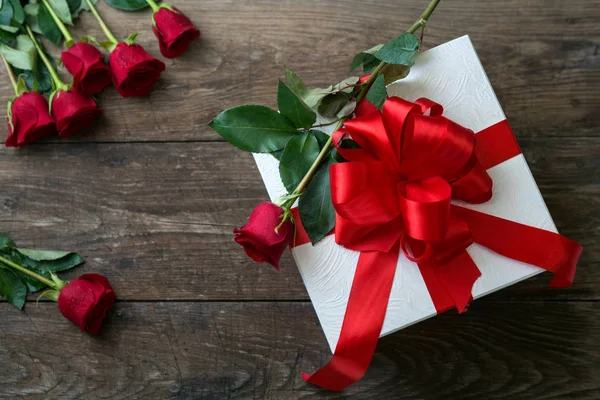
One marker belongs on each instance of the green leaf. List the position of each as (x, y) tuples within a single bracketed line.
[(399, 50), (42, 255), (347, 85), (38, 80), (46, 264), (82, 7), (23, 56), (333, 103), (294, 82), (364, 57), (48, 27), (315, 206), (6, 13), (254, 128), (11, 288), (127, 5), (62, 9), (18, 13), (297, 158), (74, 6), (321, 137), (6, 242), (310, 97), (395, 72), (377, 93), (293, 108)]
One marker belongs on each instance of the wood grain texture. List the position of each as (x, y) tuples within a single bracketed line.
[(541, 57), (157, 219), (149, 197), (258, 350)]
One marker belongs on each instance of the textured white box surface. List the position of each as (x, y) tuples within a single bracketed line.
[(452, 75)]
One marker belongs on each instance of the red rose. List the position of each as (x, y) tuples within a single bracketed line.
[(73, 112), (85, 301), (90, 73), (30, 120), (134, 70), (174, 31), (258, 236)]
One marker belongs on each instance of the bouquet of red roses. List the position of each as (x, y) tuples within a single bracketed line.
[(71, 107)]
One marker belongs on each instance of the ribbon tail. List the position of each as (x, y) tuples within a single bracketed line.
[(450, 284), (544, 249), (363, 321)]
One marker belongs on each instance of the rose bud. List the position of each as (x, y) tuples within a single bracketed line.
[(28, 120), (85, 301), (73, 112), (134, 70), (173, 30), (259, 237), (85, 63)]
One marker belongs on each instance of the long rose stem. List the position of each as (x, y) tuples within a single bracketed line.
[(11, 74), (61, 26), (105, 29), (29, 272), (57, 81), (361, 94)]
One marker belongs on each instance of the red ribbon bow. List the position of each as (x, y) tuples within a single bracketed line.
[(393, 195)]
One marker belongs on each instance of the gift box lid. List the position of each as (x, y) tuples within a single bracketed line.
[(452, 75)]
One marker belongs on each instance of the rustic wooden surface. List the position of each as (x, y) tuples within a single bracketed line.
[(150, 196)]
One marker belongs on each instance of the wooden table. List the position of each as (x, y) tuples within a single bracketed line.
[(150, 197)]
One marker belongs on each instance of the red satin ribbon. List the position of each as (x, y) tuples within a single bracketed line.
[(393, 195)]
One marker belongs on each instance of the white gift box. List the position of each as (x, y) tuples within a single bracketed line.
[(452, 75)]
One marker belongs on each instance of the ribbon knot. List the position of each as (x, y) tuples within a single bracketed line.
[(398, 184)]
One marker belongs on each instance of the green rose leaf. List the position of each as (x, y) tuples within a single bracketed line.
[(321, 137), (399, 50), (8, 38), (6, 242), (11, 288), (333, 103), (254, 128), (42, 255), (310, 97), (23, 55), (74, 6), (297, 158), (40, 21), (82, 6), (377, 93), (365, 58), (315, 206), (14, 284), (293, 108), (6, 13), (62, 9), (18, 12), (127, 5), (395, 72)]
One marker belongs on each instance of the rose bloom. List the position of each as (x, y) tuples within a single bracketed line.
[(30, 120), (85, 63), (73, 112), (174, 31), (85, 301), (134, 70), (258, 236)]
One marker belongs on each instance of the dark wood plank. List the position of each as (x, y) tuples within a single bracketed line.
[(258, 350), (541, 57), (157, 218)]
